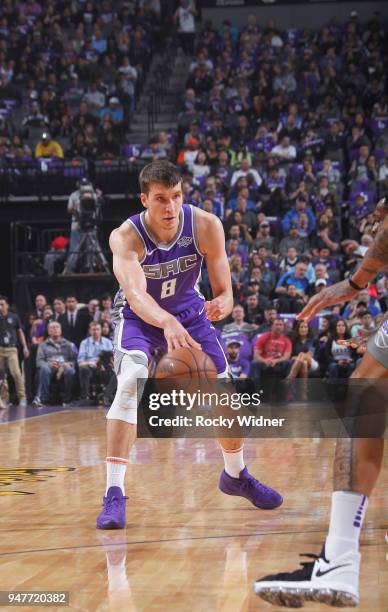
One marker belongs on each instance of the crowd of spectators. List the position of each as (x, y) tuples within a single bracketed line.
[(70, 73), (67, 350), (283, 134), (273, 345)]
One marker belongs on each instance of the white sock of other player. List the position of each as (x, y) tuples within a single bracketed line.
[(234, 461), (115, 472), (347, 515)]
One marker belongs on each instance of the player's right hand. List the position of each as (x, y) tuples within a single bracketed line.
[(218, 308), (356, 343), (177, 336)]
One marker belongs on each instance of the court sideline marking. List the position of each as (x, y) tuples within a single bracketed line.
[(168, 540)]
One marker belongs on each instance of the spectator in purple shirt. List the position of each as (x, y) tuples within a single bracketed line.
[(358, 210), (238, 366), (233, 248)]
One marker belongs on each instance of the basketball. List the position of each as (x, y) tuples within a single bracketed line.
[(186, 362)]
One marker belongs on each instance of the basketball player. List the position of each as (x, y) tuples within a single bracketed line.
[(157, 257), (333, 577)]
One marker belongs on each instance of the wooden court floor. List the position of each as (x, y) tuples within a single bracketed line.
[(187, 547)]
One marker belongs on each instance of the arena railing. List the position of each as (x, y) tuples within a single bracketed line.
[(36, 180), (31, 248)]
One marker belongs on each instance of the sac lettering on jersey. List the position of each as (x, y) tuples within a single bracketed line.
[(165, 269), (172, 271)]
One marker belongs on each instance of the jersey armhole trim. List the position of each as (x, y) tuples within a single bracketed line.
[(131, 223), (194, 229)]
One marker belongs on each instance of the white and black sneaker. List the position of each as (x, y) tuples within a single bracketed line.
[(333, 582)]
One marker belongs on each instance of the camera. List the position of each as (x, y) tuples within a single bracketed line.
[(89, 208), (85, 253)]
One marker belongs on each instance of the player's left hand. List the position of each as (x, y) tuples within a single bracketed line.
[(355, 343), (217, 309)]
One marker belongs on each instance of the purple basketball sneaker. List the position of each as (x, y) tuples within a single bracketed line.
[(113, 513), (250, 488)]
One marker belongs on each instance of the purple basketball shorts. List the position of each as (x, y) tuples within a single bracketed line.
[(133, 334)]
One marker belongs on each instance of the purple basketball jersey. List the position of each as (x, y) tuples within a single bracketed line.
[(172, 270)]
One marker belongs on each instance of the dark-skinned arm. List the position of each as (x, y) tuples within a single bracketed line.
[(374, 262), (375, 259)]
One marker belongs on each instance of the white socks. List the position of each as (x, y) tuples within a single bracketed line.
[(115, 472), (347, 515), (234, 461)]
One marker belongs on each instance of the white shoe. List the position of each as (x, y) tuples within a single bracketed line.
[(332, 582), (23, 403)]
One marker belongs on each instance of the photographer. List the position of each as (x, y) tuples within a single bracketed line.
[(84, 206)]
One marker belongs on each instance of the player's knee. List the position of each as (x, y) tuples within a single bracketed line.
[(129, 390)]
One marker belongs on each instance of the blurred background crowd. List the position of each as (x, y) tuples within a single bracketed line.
[(283, 134), (70, 73)]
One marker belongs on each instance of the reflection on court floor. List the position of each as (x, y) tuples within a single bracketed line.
[(187, 547)]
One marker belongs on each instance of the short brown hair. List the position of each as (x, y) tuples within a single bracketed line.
[(159, 171), (94, 324)]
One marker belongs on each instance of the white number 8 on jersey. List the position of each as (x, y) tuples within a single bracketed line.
[(168, 288)]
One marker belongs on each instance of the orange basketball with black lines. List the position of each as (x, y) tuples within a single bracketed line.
[(187, 363)]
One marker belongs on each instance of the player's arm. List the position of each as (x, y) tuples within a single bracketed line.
[(375, 260), (128, 271), (211, 242)]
